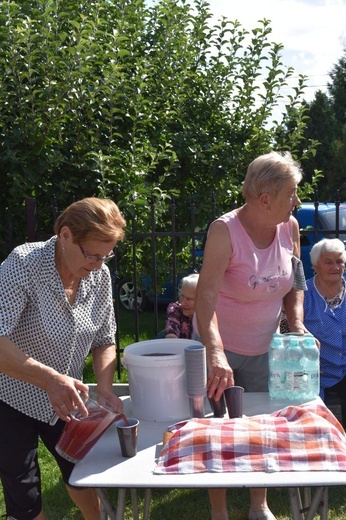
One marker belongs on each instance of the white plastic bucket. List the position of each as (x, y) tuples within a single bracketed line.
[(157, 382)]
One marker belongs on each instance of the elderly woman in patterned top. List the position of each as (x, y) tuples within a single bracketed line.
[(325, 312), (55, 307), (179, 314)]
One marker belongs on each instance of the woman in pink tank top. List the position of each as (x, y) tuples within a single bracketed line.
[(246, 277)]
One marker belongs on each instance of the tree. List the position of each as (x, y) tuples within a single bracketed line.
[(337, 89), (320, 127), (113, 98), (326, 127)]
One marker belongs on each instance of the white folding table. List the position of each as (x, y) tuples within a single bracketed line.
[(104, 467)]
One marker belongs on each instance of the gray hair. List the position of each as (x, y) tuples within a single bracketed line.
[(327, 245), (269, 172), (188, 281)]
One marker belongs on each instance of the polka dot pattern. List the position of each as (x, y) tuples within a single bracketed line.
[(329, 327), (36, 316)]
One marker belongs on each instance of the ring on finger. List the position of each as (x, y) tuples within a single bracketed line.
[(217, 377), (63, 406)]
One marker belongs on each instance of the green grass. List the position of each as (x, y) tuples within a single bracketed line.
[(186, 504)]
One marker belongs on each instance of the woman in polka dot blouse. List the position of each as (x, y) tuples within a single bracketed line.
[(325, 312), (55, 307)]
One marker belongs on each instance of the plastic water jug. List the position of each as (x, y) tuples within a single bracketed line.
[(294, 371), (277, 372), (311, 365), (295, 375)]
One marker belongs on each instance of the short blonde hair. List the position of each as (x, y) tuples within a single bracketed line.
[(268, 173), (327, 245), (92, 218)]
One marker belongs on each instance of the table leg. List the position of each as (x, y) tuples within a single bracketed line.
[(120, 513), (319, 503), (147, 497), (103, 513), (134, 502), (296, 503), (307, 497), (107, 510), (323, 510)]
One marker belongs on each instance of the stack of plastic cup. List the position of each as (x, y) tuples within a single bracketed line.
[(196, 378)]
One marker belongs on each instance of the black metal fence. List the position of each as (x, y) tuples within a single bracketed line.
[(138, 257), (156, 253), (149, 279)]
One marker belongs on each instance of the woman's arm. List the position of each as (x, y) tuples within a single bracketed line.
[(294, 299), (216, 257), (63, 391)]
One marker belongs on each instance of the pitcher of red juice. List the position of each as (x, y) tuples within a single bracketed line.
[(81, 433)]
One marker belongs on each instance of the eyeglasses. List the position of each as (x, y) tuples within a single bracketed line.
[(94, 258)]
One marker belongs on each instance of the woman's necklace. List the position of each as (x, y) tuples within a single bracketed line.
[(71, 291), (70, 285), (333, 301), (337, 299)]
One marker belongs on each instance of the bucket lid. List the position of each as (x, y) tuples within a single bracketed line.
[(156, 352)]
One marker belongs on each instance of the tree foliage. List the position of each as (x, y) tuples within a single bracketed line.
[(326, 125), (114, 98)]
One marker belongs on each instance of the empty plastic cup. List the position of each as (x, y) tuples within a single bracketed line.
[(234, 401), (218, 407)]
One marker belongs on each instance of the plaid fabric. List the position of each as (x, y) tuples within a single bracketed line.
[(296, 438)]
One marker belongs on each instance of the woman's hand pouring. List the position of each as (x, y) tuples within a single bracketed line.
[(65, 393)]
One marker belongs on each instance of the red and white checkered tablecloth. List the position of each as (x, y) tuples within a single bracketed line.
[(297, 438)]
